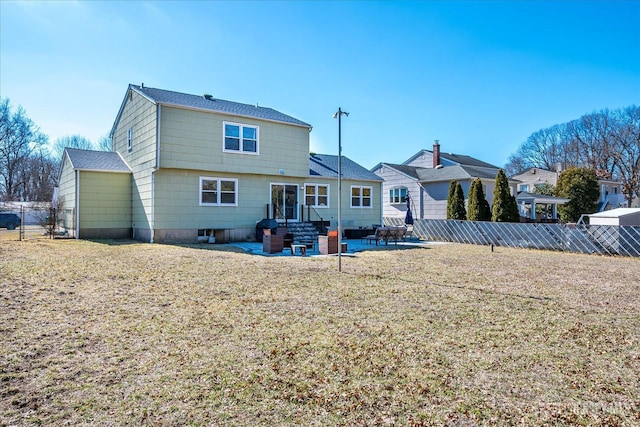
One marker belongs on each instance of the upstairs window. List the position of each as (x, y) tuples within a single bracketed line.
[(524, 187), (316, 195), (360, 197), (240, 138), (129, 138), (398, 195), (218, 191)]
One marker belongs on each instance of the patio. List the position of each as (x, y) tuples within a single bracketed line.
[(353, 246)]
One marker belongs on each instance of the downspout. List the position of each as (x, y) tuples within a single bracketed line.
[(77, 204), (153, 173), (152, 220)]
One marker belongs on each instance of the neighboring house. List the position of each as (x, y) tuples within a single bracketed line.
[(198, 166), (426, 177), (611, 196)]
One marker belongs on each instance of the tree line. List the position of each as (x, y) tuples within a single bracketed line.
[(29, 165), (605, 141)]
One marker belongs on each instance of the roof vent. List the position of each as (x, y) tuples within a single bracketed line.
[(207, 96)]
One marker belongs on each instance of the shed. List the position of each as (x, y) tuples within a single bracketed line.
[(94, 194), (620, 216)]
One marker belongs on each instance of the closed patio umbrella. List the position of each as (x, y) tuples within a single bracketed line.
[(408, 219)]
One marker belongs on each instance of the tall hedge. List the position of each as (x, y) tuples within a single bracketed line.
[(505, 207), (450, 199), (459, 211), (478, 207)]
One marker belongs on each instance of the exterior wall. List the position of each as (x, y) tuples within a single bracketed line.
[(67, 194), (535, 176), (425, 160), (194, 139), (394, 179), (139, 115), (105, 205), (179, 216)]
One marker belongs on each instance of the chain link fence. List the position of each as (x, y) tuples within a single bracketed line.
[(36, 221), (582, 238)]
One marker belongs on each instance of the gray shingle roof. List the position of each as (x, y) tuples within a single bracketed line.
[(326, 165), (96, 160), (199, 102), (410, 171), (458, 172), (460, 159)]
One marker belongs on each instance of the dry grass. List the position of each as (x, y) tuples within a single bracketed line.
[(114, 334)]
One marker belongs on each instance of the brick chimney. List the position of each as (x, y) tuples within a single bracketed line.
[(436, 153)]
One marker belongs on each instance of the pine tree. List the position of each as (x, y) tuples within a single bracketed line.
[(505, 207), (459, 211), (450, 199), (478, 209)]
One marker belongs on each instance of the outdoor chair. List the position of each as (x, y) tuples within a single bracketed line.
[(382, 233)]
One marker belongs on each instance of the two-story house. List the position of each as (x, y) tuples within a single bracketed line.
[(185, 165), (611, 196), (426, 176)]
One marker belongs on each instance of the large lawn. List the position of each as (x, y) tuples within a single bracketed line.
[(129, 333)]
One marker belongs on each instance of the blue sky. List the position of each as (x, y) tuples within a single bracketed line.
[(478, 76)]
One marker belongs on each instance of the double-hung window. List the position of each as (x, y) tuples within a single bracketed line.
[(360, 196), (316, 195), (398, 195), (239, 138), (218, 191)]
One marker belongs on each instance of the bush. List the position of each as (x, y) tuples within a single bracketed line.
[(580, 185)]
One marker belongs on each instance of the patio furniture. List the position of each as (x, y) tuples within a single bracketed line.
[(396, 233), (303, 249), (381, 233), (272, 243), (328, 244), (287, 238)]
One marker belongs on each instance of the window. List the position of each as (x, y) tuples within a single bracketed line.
[(316, 195), (398, 195), (240, 138), (218, 191), (129, 137), (524, 187), (360, 197)]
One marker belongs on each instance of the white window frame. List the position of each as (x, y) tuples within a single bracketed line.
[(396, 197), (361, 197), (241, 127), (218, 191), (316, 195), (129, 139)]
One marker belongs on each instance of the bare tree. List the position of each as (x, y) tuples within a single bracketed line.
[(593, 135), (104, 143), (40, 175), (606, 141), (626, 152), (19, 138), (70, 141)]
